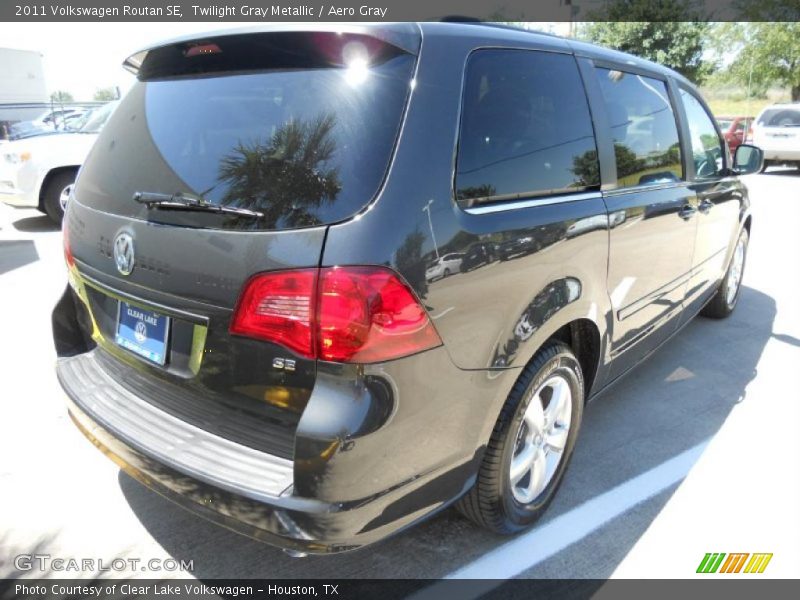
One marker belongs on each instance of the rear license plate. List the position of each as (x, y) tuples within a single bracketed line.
[(143, 332)]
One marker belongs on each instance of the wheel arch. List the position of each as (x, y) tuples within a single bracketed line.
[(49, 176), (583, 337)]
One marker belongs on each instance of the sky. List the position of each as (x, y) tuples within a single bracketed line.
[(80, 58)]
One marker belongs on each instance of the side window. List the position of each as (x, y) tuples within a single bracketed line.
[(525, 128), (707, 147), (643, 127)]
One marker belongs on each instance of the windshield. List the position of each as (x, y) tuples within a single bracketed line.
[(93, 121), (724, 124), (303, 146), (780, 117)]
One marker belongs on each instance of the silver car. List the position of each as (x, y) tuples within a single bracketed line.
[(444, 266)]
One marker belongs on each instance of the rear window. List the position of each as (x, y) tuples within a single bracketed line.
[(305, 142), (780, 117), (526, 129), (645, 132)]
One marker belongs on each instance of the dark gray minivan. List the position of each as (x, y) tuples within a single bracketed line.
[(249, 329)]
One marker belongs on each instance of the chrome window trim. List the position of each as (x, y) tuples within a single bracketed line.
[(530, 203), (622, 191)]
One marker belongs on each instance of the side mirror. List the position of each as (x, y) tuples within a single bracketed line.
[(748, 159)]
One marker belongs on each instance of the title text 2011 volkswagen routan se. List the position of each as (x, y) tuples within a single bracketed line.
[(248, 327)]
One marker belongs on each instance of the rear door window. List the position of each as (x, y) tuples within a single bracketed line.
[(526, 130), (708, 151), (643, 127), (299, 130)]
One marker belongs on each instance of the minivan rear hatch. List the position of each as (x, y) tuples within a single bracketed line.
[(228, 157), (778, 128)]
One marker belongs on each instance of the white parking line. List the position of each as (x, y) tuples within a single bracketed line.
[(539, 544), (443, 313)]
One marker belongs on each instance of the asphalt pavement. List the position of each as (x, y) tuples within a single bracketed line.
[(696, 451)]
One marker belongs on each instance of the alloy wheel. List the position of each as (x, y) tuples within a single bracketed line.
[(735, 272), (541, 439)]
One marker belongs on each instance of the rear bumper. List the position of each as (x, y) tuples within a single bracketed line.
[(169, 440), (782, 155), (12, 192), (239, 500), (16, 197), (378, 447)]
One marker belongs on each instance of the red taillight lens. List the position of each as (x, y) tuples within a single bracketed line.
[(279, 307), (67, 252), (354, 314), (366, 314)]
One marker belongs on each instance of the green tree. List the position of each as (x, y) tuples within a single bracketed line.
[(61, 96), (289, 177), (410, 263), (105, 94), (586, 168), (769, 55), (484, 190), (669, 32)]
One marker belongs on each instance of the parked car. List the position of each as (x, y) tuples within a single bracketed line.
[(246, 330), (444, 266), (477, 255), (777, 132), (735, 130), (517, 246), (39, 171), (50, 120)]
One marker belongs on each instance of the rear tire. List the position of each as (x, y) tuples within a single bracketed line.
[(727, 295), (52, 195), (497, 502)]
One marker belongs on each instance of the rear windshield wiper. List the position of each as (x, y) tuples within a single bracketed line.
[(180, 201)]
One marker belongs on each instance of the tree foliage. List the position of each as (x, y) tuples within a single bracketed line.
[(287, 177), (61, 96), (769, 55), (669, 32), (105, 94)]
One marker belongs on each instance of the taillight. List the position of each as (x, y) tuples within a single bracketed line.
[(279, 307), (67, 252), (339, 314)]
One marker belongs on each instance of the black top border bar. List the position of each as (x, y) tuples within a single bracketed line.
[(260, 11)]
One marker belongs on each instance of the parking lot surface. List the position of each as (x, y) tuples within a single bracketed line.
[(695, 451)]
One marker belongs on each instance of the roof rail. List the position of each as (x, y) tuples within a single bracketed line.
[(473, 21)]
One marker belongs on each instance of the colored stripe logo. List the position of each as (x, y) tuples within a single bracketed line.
[(719, 562)]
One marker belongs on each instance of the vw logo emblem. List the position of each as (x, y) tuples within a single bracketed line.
[(140, 333), (123, 253)]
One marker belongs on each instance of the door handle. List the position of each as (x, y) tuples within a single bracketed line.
[(687, 212), (705, 206)]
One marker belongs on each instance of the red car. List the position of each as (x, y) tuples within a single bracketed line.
[(735, 130)]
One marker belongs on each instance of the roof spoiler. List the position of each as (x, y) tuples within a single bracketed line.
[(403, 36)]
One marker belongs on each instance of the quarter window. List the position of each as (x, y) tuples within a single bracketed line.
[(707, 148), (525, 130), (643, 127)]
